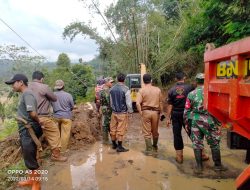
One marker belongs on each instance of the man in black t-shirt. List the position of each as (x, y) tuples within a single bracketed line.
[(176, 99), (27, 110)]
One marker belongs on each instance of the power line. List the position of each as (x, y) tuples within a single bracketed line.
[(20, 37)]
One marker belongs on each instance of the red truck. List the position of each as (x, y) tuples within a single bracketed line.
[(227, 95)]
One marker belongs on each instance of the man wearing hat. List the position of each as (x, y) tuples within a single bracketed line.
[(62, 112), (106, 108), (27, 112), (44, 96), (203, 124)]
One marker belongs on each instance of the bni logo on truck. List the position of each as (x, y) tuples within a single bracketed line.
[(230, 69)]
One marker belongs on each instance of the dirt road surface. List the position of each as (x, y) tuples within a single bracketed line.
[(99, 167)]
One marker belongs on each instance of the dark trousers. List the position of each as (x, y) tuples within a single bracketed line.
[(178, 123), (29, 148)]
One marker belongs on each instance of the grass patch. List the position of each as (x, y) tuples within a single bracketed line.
[(10, 127)]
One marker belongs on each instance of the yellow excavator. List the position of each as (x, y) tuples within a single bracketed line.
[(135, 82)]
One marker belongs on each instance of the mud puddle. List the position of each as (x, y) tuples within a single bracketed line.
[(102, 168)]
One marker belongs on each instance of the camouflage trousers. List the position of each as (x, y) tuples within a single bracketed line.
[(212, 133), (106, 118)]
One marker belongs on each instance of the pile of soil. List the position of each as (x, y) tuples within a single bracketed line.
[(86, 126), (85, 130), (10, 151)]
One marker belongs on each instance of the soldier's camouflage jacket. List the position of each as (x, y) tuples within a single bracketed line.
[(194, 109), (105, 102)]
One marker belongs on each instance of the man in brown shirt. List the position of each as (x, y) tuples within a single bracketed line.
[(149, 105), (44, 96)]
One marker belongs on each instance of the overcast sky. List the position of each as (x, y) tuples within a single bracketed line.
[(41, 24)]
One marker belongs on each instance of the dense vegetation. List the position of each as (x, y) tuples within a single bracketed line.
[(166, 35), (77, 77)]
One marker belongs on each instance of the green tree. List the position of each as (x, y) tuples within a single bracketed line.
[(77, 79), (195, 23), (106, 46), (82, 78), (63, 60), (166, 35)]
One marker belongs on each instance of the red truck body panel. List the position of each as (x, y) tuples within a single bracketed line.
[(227, 85)]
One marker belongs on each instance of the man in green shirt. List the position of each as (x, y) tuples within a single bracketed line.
[(106, 108)]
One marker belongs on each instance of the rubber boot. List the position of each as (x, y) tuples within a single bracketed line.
[(149, 147), (198, 158), (179, 156), (204, 156), (114, 145), (217, 160), (120, 148), (155, 144), (56, 156)]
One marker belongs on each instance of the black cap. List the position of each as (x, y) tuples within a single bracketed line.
[(17, 77)]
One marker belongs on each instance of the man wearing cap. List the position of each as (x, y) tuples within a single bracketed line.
[(106, 108), (203, 124), (27, 112), (62, 112), (149, 105), (44, 97), (121, 105)]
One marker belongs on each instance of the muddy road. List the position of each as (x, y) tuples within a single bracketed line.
[(99, 167)]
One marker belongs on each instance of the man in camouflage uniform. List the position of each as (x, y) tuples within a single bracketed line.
[(98, 88), (106, 108), (203, 124)]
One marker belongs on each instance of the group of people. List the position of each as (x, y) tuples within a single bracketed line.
[(35, 118), (185, 110)]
